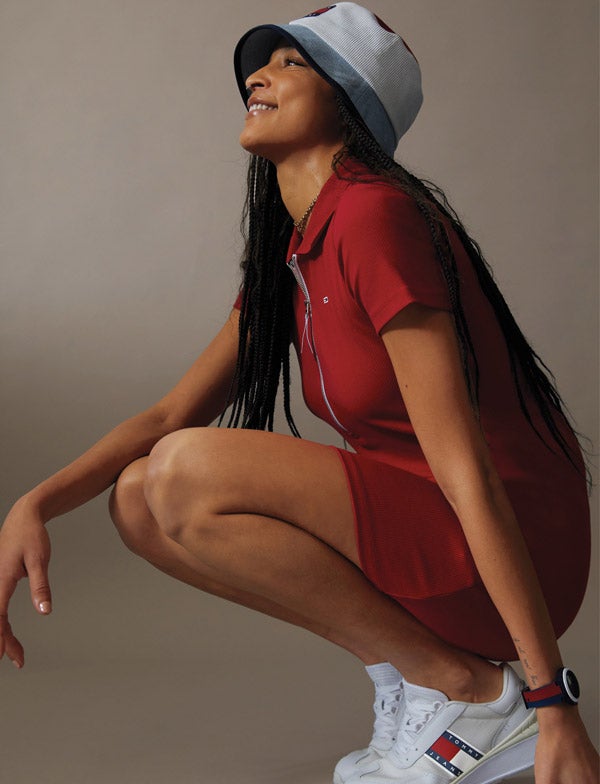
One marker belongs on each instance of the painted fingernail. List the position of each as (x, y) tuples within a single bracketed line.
[(45, 607)]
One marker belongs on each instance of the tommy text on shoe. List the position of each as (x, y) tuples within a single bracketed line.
[(443, 741), (388, 708)]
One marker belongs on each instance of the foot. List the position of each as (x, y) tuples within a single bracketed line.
[(388, 708), (441, 740)]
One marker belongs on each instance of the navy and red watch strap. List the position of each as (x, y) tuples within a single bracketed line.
[(549, 694), (564, 688)]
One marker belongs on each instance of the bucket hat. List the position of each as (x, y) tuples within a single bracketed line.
[(358, 54)]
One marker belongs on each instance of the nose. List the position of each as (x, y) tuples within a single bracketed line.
[(259, 78)]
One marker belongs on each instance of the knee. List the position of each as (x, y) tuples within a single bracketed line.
[(128, 509), (177, 478)]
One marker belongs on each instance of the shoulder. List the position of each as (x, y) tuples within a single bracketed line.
[(375, 207), (374, 215), (372, 194)]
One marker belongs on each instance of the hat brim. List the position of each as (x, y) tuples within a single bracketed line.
[(255, 48)]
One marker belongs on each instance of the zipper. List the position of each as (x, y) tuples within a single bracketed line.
[(308, 328)]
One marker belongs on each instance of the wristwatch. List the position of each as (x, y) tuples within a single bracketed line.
[(564, 688)]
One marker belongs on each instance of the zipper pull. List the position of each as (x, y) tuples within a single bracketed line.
[(305, 330)]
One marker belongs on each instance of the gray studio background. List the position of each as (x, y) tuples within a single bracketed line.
[(121, 189)]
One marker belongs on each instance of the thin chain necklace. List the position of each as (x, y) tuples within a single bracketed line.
[(301, 224)]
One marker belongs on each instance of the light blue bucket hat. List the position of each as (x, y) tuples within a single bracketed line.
[(357, 53)]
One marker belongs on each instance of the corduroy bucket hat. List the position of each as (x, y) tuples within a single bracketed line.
[(357, 53)]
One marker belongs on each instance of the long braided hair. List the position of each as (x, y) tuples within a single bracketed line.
[(265, 326), (266, 316)]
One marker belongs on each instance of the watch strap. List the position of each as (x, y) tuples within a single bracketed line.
[(550, 694), (563, 689)]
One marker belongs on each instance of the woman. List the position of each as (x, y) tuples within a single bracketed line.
[(408, 552)]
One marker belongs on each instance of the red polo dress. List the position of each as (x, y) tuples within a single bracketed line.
[(367, 253)]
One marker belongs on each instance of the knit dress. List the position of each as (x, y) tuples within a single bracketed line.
[(367, 253)]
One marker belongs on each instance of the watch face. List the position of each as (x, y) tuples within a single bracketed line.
[(571, 684)]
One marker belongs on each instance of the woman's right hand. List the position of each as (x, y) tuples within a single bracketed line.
[(196, 400), (24, 552)]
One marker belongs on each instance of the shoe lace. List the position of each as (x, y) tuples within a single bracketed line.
[(417, 713), (386, 707)]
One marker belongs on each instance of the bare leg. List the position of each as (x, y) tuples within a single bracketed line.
[(268, 520), (140, 532)]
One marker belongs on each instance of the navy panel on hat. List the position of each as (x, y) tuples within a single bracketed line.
[(353, 50)]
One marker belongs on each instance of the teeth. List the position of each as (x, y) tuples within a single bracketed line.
[(262, 107)]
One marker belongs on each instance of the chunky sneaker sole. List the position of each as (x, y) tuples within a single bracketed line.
[(514, 755)]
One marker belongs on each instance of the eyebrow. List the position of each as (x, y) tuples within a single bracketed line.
[(286, 47)]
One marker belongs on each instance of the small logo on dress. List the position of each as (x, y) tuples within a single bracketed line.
[(320, 11), (325, 300)]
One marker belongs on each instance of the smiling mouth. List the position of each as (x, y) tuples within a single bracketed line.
[(261, 107)]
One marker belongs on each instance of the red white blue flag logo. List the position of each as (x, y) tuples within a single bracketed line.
[(453, 754)]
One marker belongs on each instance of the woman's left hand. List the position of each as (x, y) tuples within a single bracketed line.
[(564, 754)]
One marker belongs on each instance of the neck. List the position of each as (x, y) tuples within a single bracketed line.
[(301, 179)]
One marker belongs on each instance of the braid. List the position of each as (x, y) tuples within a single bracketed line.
[(526, 366), (361, 145), (266, 314)]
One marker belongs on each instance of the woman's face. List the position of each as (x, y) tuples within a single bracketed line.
[(291, 109)]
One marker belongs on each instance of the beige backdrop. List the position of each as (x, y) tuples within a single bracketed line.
[(122, 183)]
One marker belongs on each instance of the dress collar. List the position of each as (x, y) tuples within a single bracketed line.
[(326, 204)]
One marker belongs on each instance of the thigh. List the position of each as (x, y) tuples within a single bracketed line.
[(410, 540), (235, 472)]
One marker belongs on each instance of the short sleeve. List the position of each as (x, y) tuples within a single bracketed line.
[(387, 253), (238, 301)]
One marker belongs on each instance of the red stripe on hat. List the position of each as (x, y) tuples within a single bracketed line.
[(320, 11), (383, 24), (445, 748), (389, 29)]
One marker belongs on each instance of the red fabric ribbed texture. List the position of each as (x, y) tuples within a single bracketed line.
[(367, 254)]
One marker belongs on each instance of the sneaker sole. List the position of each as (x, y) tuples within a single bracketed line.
[(500, 764), (514, 755)]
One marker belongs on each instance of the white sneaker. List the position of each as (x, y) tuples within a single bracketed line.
[(388, 708), (441, 740)]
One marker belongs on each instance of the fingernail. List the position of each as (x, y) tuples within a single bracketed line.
[(17, 664), (45, 607)]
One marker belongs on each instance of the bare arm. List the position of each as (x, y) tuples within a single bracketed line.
[(422, 346), (423, 349), (198, 398)]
